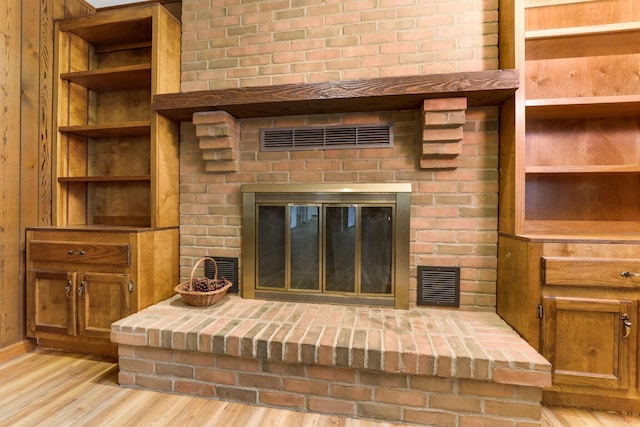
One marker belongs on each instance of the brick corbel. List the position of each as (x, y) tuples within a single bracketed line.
[(441, 132), (218, 133)]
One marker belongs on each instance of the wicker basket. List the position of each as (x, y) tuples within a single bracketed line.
[(197, 298)]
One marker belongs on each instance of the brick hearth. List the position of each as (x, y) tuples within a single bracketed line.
[(439, 367)]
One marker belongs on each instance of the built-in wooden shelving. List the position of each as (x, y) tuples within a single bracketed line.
[(581, 103), (116, 159)]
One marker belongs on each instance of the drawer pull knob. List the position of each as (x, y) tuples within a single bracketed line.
[(626, 322), (628, 274), (72, 252)]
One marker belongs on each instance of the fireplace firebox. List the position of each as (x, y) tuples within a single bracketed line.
[(346, 244)]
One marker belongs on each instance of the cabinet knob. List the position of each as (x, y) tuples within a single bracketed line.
[(68, 289), (629, 274), (72, 252)]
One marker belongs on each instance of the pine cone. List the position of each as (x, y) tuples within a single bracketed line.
[(204, 284)]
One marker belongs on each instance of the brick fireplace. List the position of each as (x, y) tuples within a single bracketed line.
[(428, 68), (241, 46), (453, 212)]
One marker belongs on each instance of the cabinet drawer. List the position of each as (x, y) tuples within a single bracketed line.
[(590, 272), (80, 252)]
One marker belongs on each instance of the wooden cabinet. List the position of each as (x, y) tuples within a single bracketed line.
[(54, 302), (599, 331), (577, 302), (113, 247), (588, 341), (79, 303), (569, 242), (82, 279), (589, 323)]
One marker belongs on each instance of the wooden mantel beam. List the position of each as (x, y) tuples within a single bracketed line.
[(481, 88)]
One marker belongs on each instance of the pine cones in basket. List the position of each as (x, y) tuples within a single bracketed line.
[(204, 284), (203, 291)]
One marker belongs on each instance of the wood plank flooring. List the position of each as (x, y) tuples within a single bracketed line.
[(45, 388)]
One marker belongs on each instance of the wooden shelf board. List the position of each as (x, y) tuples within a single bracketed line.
[(482, 88), (110, 130), (530, 4), (114, 178), (587, 169), (115, 78), (599, 106), (133, 25), (608, 30), (612, 231), (594, 40)]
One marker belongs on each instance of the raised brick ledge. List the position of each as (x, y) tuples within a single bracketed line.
[(424, 342)]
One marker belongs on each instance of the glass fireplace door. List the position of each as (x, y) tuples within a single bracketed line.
[(289, 247), (304, 244), (326, 248), (359, 249), (340, 249)]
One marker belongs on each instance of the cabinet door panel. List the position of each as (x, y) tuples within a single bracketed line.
[(103, 299), (584, 339), (54, 302)]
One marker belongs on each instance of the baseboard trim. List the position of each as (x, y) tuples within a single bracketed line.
[(623, 401), (17, 349)]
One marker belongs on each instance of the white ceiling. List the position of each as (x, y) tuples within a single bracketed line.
[(105, 3)]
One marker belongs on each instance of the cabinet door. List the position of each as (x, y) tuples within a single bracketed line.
[(103, 298), (588, 341), (52, 302)]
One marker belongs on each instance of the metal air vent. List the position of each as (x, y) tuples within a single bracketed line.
[(439, 286), (317, 138), (227, 268)]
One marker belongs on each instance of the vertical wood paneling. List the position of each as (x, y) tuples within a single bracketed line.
[(11, 325), (46, 96), (30, 127), (26, 93)]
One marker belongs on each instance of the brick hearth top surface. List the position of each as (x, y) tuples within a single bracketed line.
[(431, 342)]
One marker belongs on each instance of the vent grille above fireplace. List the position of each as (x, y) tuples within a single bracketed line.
[(316, 137)]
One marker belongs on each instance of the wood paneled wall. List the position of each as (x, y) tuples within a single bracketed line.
[(26, 137), (10, 293), (26, 87)]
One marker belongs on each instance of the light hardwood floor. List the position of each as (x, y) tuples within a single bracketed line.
[(65, 389)]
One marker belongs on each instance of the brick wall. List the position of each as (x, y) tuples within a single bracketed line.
[(234, 43)]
